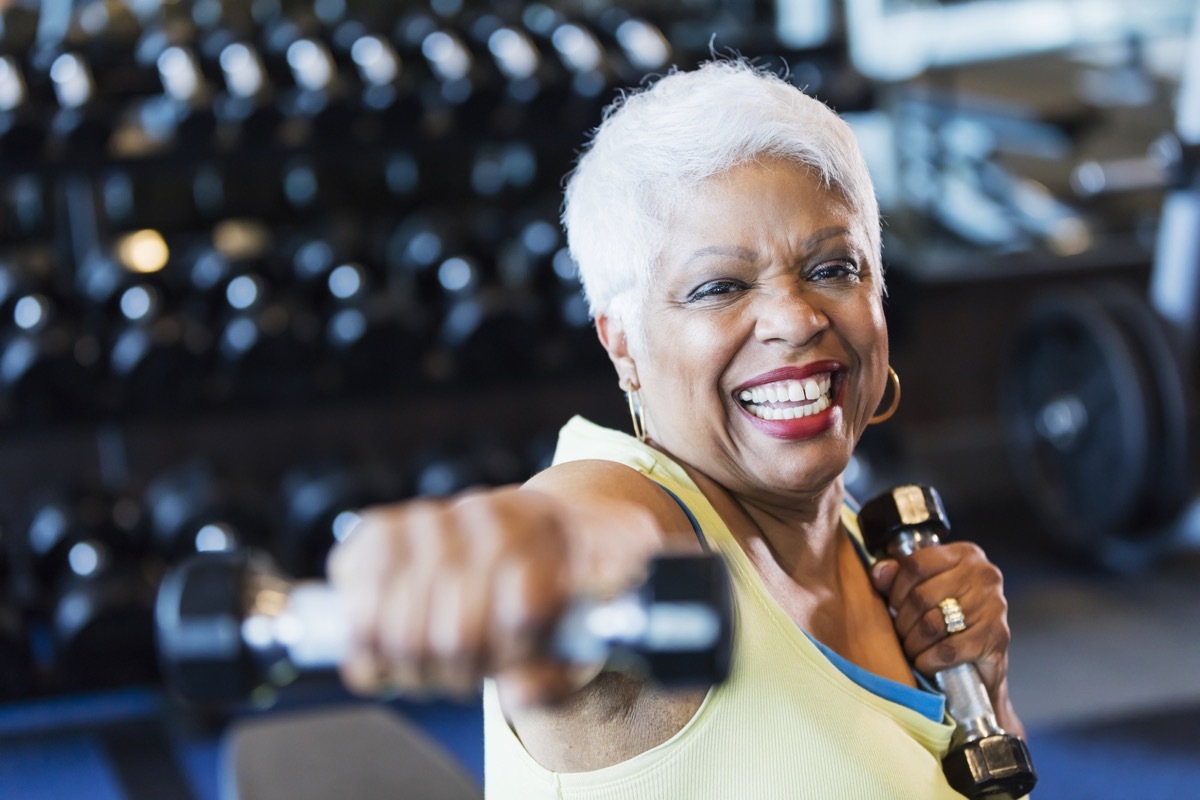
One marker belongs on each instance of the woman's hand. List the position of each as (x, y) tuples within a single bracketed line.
[(916, 585), (442, 593)]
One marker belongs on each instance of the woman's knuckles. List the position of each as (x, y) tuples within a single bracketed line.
[(930, 627), (926, 596), (440, 592), (946, 653)]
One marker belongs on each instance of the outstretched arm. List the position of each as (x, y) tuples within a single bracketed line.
[(444, 593)]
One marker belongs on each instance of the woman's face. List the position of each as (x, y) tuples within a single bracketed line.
[(766, 349)]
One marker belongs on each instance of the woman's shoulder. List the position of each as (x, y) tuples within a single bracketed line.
[(609, 486), (583, 440)]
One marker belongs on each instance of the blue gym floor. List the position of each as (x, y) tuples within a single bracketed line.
[(133, 744)]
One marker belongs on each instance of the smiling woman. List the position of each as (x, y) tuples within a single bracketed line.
[(728, 240), (765, 276)]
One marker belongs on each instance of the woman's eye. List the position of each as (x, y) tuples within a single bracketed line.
[(714, 288), (835, 270)]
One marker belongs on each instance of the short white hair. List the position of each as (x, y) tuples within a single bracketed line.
[(656, 144)]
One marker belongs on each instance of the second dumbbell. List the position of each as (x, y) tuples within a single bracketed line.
[(230, 624)]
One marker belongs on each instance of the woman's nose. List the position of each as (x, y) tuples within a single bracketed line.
[(790, 315)]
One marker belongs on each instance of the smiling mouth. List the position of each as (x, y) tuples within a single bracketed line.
[(788, 399)]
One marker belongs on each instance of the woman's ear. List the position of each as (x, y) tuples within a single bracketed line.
[(616, 343)]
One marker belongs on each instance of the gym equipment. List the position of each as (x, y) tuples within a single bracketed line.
[(1099, 392), (453, 470), (369, 339), (157, 356), (568, 340), (1098, 421), (86, 551), (491, 322), (192, 508), (218, 139), (246, 110), (265, 343), (983, 760), (22, 127), (322, 502), (48, 364), (230, 624)]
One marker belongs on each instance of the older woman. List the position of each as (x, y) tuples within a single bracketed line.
[(727, 236)]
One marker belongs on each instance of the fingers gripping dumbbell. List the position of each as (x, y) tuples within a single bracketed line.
[(230, 623), (983, 760)]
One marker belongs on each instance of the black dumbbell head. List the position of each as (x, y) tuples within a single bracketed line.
[(103, 629), (995, 766), (700, 579), (902, 508), (198, 619)]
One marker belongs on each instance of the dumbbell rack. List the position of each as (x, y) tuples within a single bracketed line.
[(258, 250)]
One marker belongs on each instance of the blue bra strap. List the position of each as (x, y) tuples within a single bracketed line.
[(690, 516)]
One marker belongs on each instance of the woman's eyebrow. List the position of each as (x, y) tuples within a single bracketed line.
[(746, 254), (831, 232), (727, 251)]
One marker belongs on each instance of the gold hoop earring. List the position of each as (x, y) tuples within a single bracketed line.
[(884, 416), (637, 413)]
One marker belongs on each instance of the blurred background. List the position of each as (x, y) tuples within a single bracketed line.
[(263, 262)]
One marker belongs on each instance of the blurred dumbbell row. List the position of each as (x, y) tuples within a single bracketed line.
[(224, 204), (138, 79), (247, 313), (79, 566), (215, 203)]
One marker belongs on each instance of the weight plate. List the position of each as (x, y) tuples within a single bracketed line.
[(1077, 416), (1168, 480)]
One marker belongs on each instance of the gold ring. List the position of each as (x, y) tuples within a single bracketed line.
[(952, 615)]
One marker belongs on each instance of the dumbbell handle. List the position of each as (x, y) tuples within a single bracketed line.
[(983, 761), (967, 699), (312, 627)]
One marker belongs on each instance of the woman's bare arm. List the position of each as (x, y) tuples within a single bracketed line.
[(443, 593)]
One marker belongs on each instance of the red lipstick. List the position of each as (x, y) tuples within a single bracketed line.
[(791, 374), (800, 427)]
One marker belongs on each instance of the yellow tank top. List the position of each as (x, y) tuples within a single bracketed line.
[(786, 724)]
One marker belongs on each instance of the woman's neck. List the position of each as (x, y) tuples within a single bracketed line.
[(801, 536), (804, 540)]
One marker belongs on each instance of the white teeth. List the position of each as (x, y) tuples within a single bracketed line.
[(811, 395)]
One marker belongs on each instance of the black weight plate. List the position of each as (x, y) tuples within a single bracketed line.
[(1168, 479), (1076, 412)]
